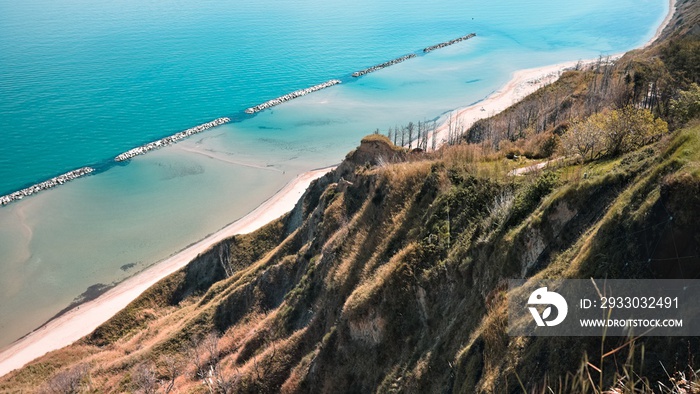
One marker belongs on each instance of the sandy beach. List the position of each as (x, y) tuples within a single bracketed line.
[(523, 83), (79, 322)]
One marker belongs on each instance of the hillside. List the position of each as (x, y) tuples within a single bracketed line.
[(390, 273), (388, 276)]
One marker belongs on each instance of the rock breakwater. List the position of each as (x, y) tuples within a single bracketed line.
[(59, 180), (291, 96), (448, 43), (170, 139), (383, 65)]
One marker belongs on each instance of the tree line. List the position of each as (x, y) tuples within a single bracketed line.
[(420, 135)]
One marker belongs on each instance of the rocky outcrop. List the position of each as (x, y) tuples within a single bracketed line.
[(374, 150)]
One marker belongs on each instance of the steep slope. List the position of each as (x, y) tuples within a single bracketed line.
[(390, 273), (388, 276)]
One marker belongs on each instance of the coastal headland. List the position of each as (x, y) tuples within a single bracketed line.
[(76, 323)]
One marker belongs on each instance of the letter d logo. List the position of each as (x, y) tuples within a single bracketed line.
[(543, 297)]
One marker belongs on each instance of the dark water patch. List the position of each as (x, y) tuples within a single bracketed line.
[(319, 123), (127, 267), (208, 137), (411, 83), (88, 295), (174, 171)]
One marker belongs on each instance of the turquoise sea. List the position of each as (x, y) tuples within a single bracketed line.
[(82, 81)]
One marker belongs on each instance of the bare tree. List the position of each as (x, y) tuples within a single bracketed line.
[(410, 128), (68, 381), (425, 135), (219, 382), (143, 377), (172, 367), (204, 354), (196, 356)]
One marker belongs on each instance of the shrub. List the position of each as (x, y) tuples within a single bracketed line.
[(528, 199), (687, 106), (585, 138), (612, 133)]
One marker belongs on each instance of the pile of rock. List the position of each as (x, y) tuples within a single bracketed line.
[(59, 180), (383, 65), (291, 96), (444, 44), (170, 140)]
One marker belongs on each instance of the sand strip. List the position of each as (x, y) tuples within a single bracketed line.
[(81, 321), (523, 83)]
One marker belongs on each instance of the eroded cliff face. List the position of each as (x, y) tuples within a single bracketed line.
[(389, 275)]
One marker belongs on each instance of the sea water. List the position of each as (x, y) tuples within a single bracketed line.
[(82, 81)]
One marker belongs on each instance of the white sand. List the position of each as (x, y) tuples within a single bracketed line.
[(523, 83), (79, 322)]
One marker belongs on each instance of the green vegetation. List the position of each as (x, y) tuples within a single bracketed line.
[(687, 105), (612, 133), (390, 274), (393, 280)]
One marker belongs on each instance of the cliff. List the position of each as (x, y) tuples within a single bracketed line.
[(389, 274)]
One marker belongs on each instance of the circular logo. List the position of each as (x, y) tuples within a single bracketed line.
[(552, 299)]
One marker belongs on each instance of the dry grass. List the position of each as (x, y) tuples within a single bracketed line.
[(294, 382), (357, 306), (363, 293), (381, 138)]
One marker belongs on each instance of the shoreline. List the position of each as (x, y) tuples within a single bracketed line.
[(523, 83), (78, 322)]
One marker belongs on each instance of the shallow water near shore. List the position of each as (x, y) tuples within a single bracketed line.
[(83, 82)]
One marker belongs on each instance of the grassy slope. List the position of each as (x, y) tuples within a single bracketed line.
[(389, 274), (378, 290)]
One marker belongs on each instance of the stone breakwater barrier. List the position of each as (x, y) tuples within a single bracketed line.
[(383, 65), (448, 43), (59, 180), (170, 140), (291, 96)]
